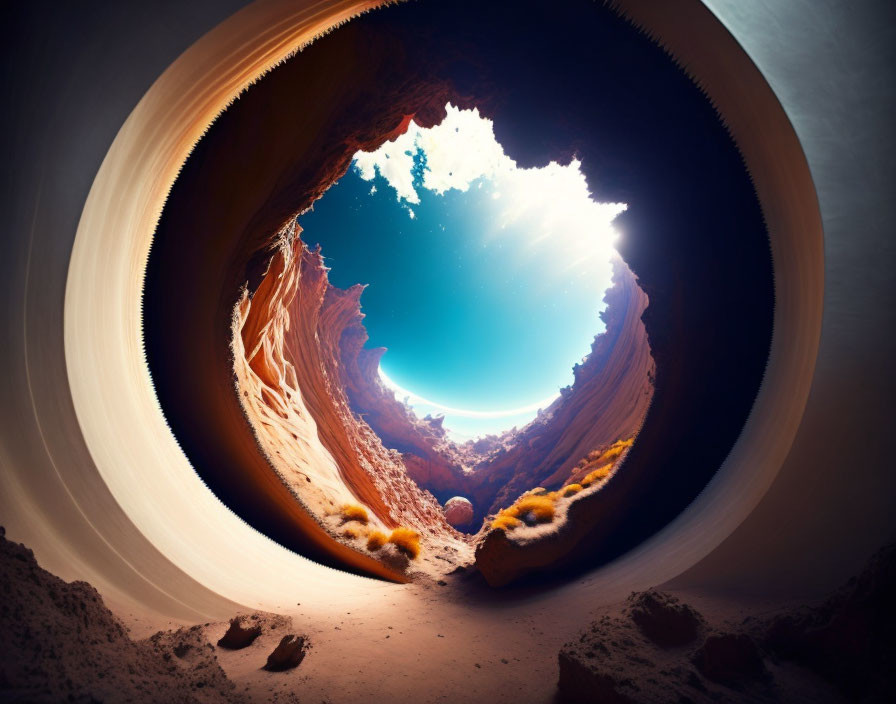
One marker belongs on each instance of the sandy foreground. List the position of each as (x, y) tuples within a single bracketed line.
[(452, 640), (418, 643)]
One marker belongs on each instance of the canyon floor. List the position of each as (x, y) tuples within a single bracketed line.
[(440, 641)]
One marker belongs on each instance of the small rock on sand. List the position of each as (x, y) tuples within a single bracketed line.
[(288, 654), (238, 637)]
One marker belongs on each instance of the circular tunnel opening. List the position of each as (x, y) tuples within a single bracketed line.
[(304, 365), (228, 245)]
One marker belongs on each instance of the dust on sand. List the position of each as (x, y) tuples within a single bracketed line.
[(654, 648), (61, 643), (454, 639)]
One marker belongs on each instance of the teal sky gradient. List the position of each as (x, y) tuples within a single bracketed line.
[(474, 315)]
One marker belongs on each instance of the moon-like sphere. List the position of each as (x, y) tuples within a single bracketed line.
[(458, 511)]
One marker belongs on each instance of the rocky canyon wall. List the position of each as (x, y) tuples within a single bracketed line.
[(287, 364), (606, 402)]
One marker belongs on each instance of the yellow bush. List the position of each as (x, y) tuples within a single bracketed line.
[(510, 511), (354, 512), (571, 489), (538, 504), (540, 507), (537, 491), (617, 449), (612, 454), (506, 522), (351, 532), (597, 475), (376, 540), (406, 540)]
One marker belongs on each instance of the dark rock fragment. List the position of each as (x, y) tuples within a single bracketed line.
[(730, 659), (238, 637), (60, 643), (848, 639), (663, 619), (288, 654), (581, 684)]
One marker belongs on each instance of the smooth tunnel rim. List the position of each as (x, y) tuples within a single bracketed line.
[(137, 457)]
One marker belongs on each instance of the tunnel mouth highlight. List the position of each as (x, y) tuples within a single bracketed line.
[(258, 259)]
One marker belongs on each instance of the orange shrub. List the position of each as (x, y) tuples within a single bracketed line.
[(617, 449), (506, 522), (537, 491), (406, 540), (537, 505), (354, 512), (510, 511), (597, 475), (540, 507), (611, 454), (571, 489), (376, 540), (351, 532)]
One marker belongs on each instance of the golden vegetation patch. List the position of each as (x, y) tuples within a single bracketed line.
[(598, 475), (512, 511), (598, 465), (351, 532), (570, 489), (538, 505), (506, 522), (406, 540), (609, 454), (538, 509), (354, 512), (376, 540), (529, 508)]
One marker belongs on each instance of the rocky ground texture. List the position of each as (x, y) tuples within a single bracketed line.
[(61, 643), (654, 648)]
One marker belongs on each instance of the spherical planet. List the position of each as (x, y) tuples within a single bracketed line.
[(458, 511)]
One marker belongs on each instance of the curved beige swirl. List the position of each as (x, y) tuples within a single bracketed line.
[(138, 459)]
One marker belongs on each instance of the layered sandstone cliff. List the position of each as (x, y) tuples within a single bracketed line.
[(337, 437), (287, 367), (607, 401)]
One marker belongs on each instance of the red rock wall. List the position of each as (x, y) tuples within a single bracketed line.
[(304, 339), (290, 332), (607, 401)]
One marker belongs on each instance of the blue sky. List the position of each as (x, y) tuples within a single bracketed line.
[(484, 281)]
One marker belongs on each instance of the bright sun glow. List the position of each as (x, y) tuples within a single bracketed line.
[(571, 235), (416, 400)]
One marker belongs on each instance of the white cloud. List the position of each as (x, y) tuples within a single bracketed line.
[(394, 161), (553, 200)]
